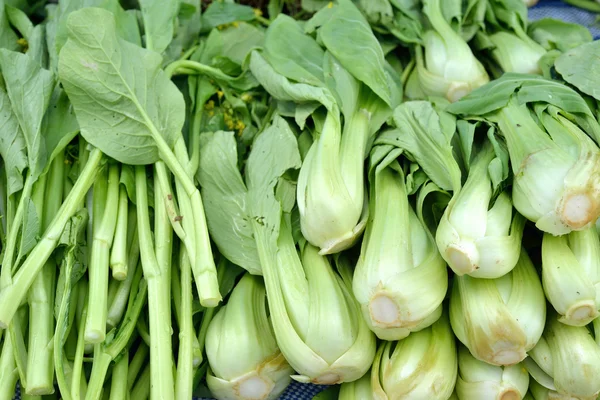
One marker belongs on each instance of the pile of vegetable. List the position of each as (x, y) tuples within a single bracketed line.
[(397, 198)]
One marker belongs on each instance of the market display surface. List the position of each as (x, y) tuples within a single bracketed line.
[(369, 199)]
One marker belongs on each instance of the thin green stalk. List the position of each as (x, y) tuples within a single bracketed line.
[(170, 204), (185, 362), (40, 371), (118, 252), (203, 264), (12, 295), (77, 375), (13, 228), (25, 396), (141, 390), (105, 353), (17, 331), (136, 364), (95, 330), (118, 384), (156, 268), (8, 370)]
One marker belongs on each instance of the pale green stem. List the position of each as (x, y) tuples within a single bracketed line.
[(136, 364), (12, 295), (118, 252), (185, 362), (156, 268), (8, 370), (95, 330), (141, 390), (118, 386), (77, 375)]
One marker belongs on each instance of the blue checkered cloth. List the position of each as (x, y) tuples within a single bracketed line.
[(545, 8)]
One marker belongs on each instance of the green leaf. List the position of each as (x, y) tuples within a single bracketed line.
[(159, 22), (29, 88), (239, 40), (60, 125), (292, 53), (579, 67), (232, 207), (224, 197), (419, 131), (348, 36), (556, 34), (529, 88), (314, 5), (12, 145), (8, 38), (281, 88), (20, 21), (187, 31), (122, 99), (30, 230), (220, 13)]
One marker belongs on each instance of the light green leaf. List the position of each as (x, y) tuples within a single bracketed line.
[(579, 67), (348, 36), (12, 145), (273, 153), (560, 35), (20, 21), (342, 84), (29, 88), (529, 88), (159, 22), (60, 125), (188, 29), (239, 40), (121, 97), (314, 5), (30, 230), (420, 132), (292, 53), (220, 13), (225, 203), (281, 88), (38, 46), (8, 38)]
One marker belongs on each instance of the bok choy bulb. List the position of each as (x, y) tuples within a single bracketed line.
[(357, 390), (478, 380), (400, 279), (571, 275), (556, 165), (499, 320), (540, 392), (316, 320), (245, 362), (566, 361), (448, 68), (421, 366), (474, 238), (516, 54)]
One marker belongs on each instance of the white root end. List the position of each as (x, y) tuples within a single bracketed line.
[(254, 388), (384, 311)]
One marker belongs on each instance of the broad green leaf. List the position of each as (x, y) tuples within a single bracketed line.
[(556, 34), (239, 40), (59, 126), (127, 25), (188, 29), (121, 97), (342, 84), (12, 145), (348, 36), (159, 22), (37, 46), (292, 53), (8, 38), (220, 13), (19, 20), (579, 67), (225, 203), (30, 229), (273, 153), (281, 88), (314, 5), (529, 88), (29, 88), (419, 131), (376, 10), (232, 207)]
